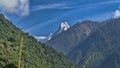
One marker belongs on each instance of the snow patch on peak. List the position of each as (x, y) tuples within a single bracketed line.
[(64, 26)]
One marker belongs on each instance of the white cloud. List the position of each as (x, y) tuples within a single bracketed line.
[(42, 39), (117, 13), (67, 5), (20, 7), (51, 6)]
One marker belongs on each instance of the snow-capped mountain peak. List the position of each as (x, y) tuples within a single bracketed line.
[(64, 26)]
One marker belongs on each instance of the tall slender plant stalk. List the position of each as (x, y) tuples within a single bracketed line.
[(20, 50)]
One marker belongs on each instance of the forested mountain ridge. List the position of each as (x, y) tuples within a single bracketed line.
[(34, 53)]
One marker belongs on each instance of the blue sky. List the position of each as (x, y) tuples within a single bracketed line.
[(41, 17)]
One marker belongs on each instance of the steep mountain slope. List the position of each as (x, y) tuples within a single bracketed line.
[(104, 44), (34, 54), (67, 40)]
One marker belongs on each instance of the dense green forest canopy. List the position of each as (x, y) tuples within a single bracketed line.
[(34, 54)]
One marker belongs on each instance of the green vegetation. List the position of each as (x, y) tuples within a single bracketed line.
[(32, 55), (94, 57)]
